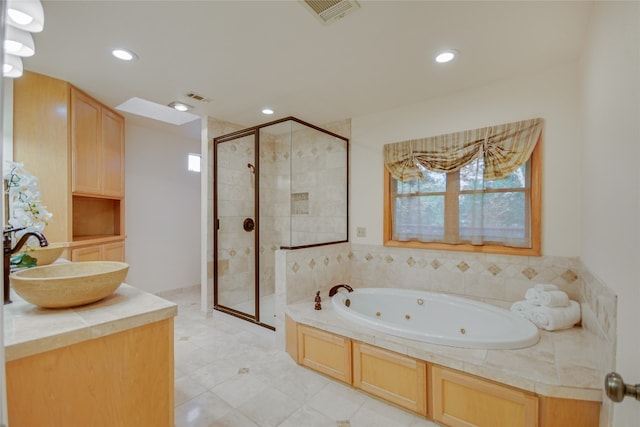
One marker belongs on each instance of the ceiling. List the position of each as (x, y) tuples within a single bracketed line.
[(244, 55)]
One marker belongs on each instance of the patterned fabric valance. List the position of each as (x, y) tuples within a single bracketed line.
[(504, 148)]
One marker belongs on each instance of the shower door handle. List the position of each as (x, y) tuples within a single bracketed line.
[(248, 225)]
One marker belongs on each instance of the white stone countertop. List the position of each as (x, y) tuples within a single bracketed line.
[(562, 364), (29, 329)]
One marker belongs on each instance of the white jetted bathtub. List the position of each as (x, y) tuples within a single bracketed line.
[(435, 318)]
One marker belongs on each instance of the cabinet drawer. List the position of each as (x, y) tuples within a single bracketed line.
[(105, 252), (391, 376), (461, 400), (91, 253), (326, 353)]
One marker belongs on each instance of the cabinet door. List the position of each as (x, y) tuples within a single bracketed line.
[(112, 154), (324, 352), (558, 412), (85, 144), (462, 400), (91, 253), (113, 251), (391, 376), (122, 379)]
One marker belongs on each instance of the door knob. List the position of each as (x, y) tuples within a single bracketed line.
[(616, 388)]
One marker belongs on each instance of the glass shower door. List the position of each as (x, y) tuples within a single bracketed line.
[(236, 226)]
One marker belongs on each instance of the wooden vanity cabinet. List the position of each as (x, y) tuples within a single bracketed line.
[(391, 376), (124, 379), (74, 145)]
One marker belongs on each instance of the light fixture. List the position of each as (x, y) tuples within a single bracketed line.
[(180, 106), (124, 54), (18, 42), (25, 14), (267, 111), (12, 66), (446, 56)]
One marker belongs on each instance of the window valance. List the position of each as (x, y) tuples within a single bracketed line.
[(504, 148)]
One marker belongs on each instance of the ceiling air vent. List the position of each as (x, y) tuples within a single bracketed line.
[(197, 97), (329, 11)]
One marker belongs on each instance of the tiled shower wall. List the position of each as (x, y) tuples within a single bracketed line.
[(497, 279), (318, 191)]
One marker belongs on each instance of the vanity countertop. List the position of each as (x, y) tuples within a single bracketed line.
[(30, 330), (561, 364)]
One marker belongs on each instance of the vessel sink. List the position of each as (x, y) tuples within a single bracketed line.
[(69, 284), (48, 254)]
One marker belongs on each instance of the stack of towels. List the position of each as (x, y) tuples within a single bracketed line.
[(548, 308)]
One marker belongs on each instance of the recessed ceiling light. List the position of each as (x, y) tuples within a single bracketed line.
[(124, 54), (180, 106), (446, 56), (267, 111)]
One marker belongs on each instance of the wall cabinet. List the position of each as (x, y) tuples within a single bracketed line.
[(74, 145), (97, 148)]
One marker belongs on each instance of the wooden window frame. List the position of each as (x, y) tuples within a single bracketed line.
[(536, 219)]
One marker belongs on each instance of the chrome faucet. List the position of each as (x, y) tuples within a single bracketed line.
[(334, 290), (7, 251)]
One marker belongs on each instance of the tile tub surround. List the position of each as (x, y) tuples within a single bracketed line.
[(556, 366), (495, 279), (30, 330)]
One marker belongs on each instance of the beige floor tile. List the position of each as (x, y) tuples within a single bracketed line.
[(201, 411), (232, 373)]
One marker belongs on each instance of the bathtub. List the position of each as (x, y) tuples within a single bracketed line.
[(435, 318)]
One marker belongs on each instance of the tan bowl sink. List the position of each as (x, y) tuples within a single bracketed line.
[(70, 284), (48, 254)]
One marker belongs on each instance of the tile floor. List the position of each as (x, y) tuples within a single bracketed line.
[(231, 373)]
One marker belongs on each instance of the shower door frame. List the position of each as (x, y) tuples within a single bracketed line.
[(255, 318), (255, 131)]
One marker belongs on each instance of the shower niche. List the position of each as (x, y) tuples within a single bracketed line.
[(279, 185)]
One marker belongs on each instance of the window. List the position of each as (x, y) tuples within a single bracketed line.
[(461, 211), (193, 162)]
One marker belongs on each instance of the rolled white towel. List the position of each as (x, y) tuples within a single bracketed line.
[(545, 287), (522, 308), (553, 298), (554, 318), (532, 296)]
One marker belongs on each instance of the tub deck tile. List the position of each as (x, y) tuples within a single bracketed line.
[(559, 365)]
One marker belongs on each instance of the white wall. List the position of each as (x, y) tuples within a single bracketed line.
[(162, 208), (551, 95), (611, 181)]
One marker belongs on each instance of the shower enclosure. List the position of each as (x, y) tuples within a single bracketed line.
[(280, 185)]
